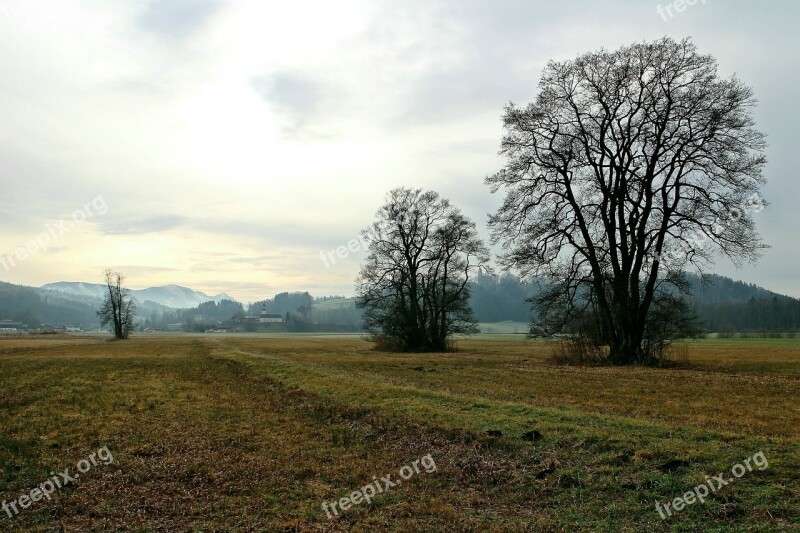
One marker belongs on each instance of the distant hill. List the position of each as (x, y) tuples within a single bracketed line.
[(173, 296), (722, 303), (64, 302), (714, 289), (35, 307), (727, 306)]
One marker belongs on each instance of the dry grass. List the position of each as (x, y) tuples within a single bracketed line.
[(251, 433)]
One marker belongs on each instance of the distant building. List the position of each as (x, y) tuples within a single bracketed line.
[(267, 318), (264, 317), (220, 329), (72, 328), (8, 326)]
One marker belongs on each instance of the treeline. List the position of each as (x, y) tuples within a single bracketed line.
[(197, 318), (337, 313), (723, 304), (299, 311), (302, 312), (714, 289), (728, 306), (501, 298), (755, 315), (285, 302)]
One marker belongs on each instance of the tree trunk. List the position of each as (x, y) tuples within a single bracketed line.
[(626, 343)]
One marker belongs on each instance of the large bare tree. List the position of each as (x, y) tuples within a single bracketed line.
[(414, 284), (119, 307), (627, 158)]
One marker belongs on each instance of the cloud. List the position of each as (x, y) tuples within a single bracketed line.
[(300, 101), (268, 232), (140, 225), (177, 19), (289, 92), (234, 141)]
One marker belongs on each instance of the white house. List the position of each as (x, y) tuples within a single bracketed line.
[(267, 318)]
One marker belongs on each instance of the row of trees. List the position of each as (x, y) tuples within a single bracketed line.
[(297, 309), (195, 319), (286, 302), (630, 167), (773, 315), (721, 303), (500, 298)]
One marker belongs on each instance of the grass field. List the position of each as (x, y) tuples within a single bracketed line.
[(249, 432), (510, 327)]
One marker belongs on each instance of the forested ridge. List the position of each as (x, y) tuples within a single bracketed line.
[(725, 305)]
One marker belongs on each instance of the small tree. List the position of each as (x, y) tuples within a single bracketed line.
[(305, 311), (413, 286), (118, 306)]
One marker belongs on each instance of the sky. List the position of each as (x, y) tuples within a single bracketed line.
[(233, 145)]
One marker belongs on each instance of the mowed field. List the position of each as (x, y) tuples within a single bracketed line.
[(240, 433)]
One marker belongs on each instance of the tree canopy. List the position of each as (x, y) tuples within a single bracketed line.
[(414, 284), (625, 159)]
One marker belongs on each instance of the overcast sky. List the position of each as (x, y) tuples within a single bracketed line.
[(227, 144)]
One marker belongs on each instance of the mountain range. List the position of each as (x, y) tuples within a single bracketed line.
[(76, 303), (173, 296)]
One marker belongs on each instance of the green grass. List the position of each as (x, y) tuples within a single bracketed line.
[(247, 432)]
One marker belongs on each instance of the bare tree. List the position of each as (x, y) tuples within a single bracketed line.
[(413, 285), (119, 307), (626, 158), (305, 311)]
